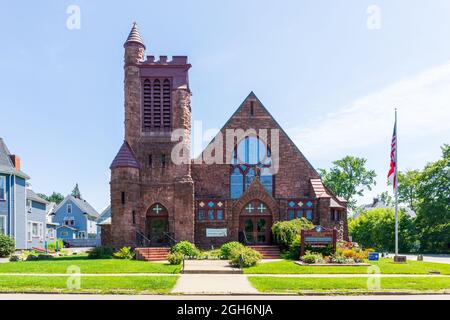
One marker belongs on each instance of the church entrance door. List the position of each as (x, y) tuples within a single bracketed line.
[(256, 223), (157, 225)]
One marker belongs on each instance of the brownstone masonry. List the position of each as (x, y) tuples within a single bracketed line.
[(155, 201)]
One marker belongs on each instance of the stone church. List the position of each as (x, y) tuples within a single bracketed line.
[(155, 201)]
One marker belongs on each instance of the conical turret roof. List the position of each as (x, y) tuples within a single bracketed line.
[(135, 36), (125, 158)]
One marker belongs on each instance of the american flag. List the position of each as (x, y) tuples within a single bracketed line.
[(392, 174)]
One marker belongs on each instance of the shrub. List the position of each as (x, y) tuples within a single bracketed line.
[(186, 248), (175, 258), (293, 252), (101, 252), (124, 253), (311, 257), (29, 255), (338, 257), (285, 232), (209, 254), (225, 249), (15, 258), (249, 257), (324, 251), (51, 245), (7, 246)]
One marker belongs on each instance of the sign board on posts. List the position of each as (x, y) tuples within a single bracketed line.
[(318, 237)]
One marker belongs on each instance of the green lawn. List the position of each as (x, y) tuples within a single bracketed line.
[(387, 266), (100, 284), (60, 265), (296, 285)]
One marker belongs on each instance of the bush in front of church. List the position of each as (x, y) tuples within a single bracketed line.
[(175, 258), (226, 248), (101, 252), (185, 248), (286, 233), (245, 257)]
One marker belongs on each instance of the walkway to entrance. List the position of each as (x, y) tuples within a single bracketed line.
[(214, 284), (209, 267)]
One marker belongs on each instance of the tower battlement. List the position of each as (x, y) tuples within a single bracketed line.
[(163, 60)]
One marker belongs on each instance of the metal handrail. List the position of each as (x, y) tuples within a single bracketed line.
[(172, 239), (149, 241)]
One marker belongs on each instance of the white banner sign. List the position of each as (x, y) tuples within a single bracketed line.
[(216, 232)]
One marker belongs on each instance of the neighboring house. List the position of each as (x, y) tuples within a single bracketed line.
[(51, 226), (104, 225), (22, 212), (36, 220), (377, 204), (76, 219)]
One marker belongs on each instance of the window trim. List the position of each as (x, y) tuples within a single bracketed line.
[(69, 205), (5, 221), (3, 179)]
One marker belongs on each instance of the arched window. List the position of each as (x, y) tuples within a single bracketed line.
[(156, 104), (251, 158)]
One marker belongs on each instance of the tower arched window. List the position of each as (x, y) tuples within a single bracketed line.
[(251, 159), (156, 104)]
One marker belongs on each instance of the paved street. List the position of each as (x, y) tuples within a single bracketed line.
[(440, 258)]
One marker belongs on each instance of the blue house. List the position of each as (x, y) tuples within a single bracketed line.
[(36, 220), (22, 212), (76, 219)]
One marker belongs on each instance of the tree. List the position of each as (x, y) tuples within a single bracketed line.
[(433, 205), (76, 192), (407, 187), (54, 197), (375, 228), (348, 178), (386, 199)]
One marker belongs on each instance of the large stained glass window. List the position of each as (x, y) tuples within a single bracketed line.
[(251, 158)]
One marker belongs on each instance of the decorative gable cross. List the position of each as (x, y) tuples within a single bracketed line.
[(249, 208), (262, 208), (157, 209)]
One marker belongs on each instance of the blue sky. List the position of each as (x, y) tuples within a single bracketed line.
[(326, 77)]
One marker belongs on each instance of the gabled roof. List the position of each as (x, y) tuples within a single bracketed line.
[(67, 227), (6, 165), (51, 208), (31, 195), (252, 95), (125, 158), (82, 204), (319, 189), (105, 215)]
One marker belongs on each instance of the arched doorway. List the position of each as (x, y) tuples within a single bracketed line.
[(157, 225), (255, 223)]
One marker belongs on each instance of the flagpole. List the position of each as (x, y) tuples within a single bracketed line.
[(396, 186)]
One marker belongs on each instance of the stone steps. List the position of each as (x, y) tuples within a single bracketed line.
[(152, 253), (268, 252)]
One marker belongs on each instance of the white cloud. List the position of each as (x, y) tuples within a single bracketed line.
[(423, 103), (364, 127)]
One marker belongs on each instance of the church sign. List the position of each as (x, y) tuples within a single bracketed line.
[(216, 232), (317, 238)]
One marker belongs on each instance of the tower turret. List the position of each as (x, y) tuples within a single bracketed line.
[(134, 55)]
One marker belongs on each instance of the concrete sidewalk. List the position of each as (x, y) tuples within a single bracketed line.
[(206, 275), (214, 284)]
